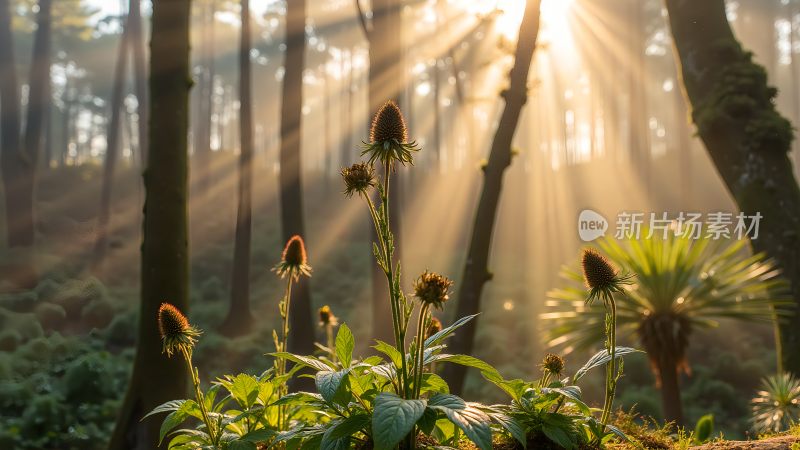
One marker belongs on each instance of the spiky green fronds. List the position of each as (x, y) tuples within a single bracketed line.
[(776, 407)]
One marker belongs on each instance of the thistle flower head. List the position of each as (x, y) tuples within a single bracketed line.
[(326, 317), (553, 364), (432, 289), (176, 333), (294, 261), (434, 326), (602, 279), (358, 178), (389, 137)]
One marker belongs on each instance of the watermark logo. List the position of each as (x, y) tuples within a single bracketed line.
[(591, 225), (694, 225)]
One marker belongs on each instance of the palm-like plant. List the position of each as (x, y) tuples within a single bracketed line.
[(777, 406), (680, 285)]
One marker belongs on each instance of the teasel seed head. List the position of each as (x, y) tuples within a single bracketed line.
[(432, 289), (389, 137), (553, 364), (326, 317), (358, 178), (294, 261), (177, 334), (602, 279), (434, 326)]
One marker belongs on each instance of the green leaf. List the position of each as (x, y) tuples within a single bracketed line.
[(338, 436), (344, 345), (443, 334), (486, 369), (244, 389), (472, 421), (601, 358), (172, 405), (558, 435), (176, 418), (307, 361), (260, 435), (704, 429), (241, 445), (329, 382), (393, 418), (573, 393), (296, 398), (390, 351), (433, 383), (514, 428)]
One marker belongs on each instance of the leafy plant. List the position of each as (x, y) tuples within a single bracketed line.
[(681, 284), (777, 406)]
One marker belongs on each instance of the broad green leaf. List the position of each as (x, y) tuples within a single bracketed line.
[(601, 358), (514, 428), (393, 418), (260, 435), (558, 435), (176, 418), (434, 383), (390, 351), (244, 389), (297, 398), (329, 382), (472, 421), (486, 369), (172, 405), (344, 345), (241, 445), (338, 436)]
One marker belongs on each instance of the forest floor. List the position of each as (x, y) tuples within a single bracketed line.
[(785, 442)]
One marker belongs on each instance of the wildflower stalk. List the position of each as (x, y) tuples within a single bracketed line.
[(198, 394), (281, 346), (419, 357), (612, 373)]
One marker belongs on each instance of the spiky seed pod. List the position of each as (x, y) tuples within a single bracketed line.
[(553, 364), (294, 261), (388, 124), (432, 289), (602, 279), (389, 138), (434, 326), (176, 332), (326, 317), (358, 178)]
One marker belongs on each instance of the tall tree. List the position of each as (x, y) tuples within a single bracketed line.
[(747, 139), (239, 319), (383, 33), (165, 260), (20, 163), (476, 272), (113, 142), (291, 185), (136, 40), (201, 131)]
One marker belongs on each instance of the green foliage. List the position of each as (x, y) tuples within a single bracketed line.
[(776, 407), (704, 428)]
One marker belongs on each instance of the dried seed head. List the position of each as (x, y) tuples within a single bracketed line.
[(434, 326), (553, 364), (294, 261), (597, 270), (358, 178), (176, 332), (326, 317), (432, 289), (388, 125)]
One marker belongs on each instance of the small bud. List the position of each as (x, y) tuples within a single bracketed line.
[(434, 326), (326, 317), (176, 332), (294, 261), (358, 178), (553, 364), (432, 289)]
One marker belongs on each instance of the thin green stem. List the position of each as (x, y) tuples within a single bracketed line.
[(331, 345), (611, 366), (282, 422), (198, 393), (418, 363)]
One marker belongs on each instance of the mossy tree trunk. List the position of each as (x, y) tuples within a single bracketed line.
[(301, 337), (165, 260), (748, 140), (239, 320), (476, 272), (21, 154)]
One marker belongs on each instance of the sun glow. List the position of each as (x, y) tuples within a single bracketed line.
[(554, 15)]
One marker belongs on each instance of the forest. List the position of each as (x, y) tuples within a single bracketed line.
[(399, 224)]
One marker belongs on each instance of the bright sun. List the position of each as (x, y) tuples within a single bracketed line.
[(554, 15)]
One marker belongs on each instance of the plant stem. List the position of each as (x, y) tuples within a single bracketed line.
[(198, 393), (418, 362), (331, 345), (284, 340), (611, 366)]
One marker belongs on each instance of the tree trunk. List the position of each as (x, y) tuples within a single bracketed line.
[(476, 272), (136, 40), (749, 145), (202, 130), (301, 338), (239, 320), (670, 392), (13, 162), (165, 260), (112, 149)]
